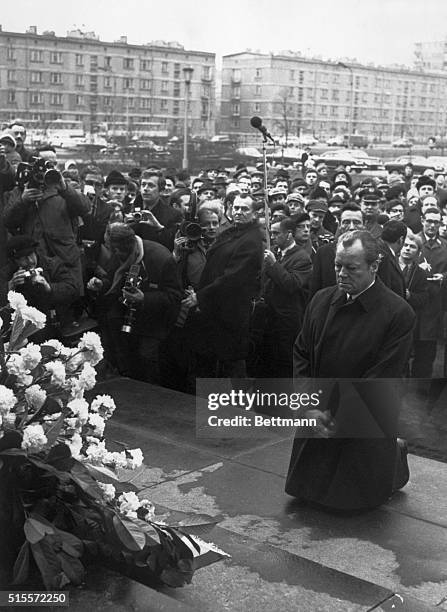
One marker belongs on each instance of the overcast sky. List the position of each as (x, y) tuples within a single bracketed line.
[(380, 31)]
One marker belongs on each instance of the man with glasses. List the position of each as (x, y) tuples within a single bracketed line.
[(433, 260)]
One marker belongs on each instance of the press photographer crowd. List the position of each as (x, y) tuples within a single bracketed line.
[(208, 275)]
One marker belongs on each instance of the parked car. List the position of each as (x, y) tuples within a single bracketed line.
[(419, 163), (341, 157), (336, 141), (402, 143), (439, 162)]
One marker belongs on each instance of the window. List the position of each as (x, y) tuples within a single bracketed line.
[(206, 72), (176, 90), (258, 74), (11, 96), (79, 80), (56, 78), (258, 90), (301, 77), (205, 107), (55, 57), (93, 61), (145, 84), (128, 83), (235, 108), (237, 91), (79, 100), (79, 60), (324, 94), (145, 103), (36, 55), (176, 108), (292, 75), (335, 95), (11, 54), (107, 82), (107, 101), (36, 98), (107, 61), (56, 99), (163, 104), (257, 107), (128, 63), (236, 76), (164, 87), (36, 77), (235, 123), (164, 68), (12, 77), (145, 65), (176, 71), (93, 83), (291, 91)]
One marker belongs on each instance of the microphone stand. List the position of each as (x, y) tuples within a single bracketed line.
[(266, 197)]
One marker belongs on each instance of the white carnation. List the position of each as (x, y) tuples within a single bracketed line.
[(7, 400), (136, 458), (56, 345), (108, 490), (34, 438), (98, 424), (90, 343), (129, 503), (75, 445), (34, 316), (117, 460), (35, 396), (79, 408), (31, 356), (88, 376), (97, 452), (16, 300), (103, 405), (57, 371)]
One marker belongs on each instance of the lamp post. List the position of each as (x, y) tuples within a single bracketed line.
[(187, 74), (351, 105)]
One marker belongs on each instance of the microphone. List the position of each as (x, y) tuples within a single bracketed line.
[(256, 122)]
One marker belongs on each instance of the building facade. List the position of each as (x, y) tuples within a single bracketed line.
[(301, 95), (431, 56), (115, 87)]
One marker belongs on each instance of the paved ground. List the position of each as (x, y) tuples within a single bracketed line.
[(283, 556)]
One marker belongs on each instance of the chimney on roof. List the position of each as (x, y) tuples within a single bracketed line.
[(123, 39), (32, 30)]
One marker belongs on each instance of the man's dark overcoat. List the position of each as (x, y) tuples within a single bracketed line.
[(368, 338), (229, 282)]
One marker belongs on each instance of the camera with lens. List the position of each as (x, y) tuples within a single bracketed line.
[(33, 272), (192, 232), (132, 282), (137, 216), (37, 174)]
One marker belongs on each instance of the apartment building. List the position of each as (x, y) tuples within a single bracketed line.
[(297, 95), (114, 86)]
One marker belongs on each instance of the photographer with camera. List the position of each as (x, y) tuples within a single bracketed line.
[(151, 218), (45, 282), (138, 298), (45, 208)]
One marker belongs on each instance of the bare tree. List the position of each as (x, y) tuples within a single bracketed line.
[(284, 110)]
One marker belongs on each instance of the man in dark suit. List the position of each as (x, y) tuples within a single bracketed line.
[(323, 275), (229, 282), (286, 282), (390, 244), (357, 329)]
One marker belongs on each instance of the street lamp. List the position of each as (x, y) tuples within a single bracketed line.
[(351, 105), (187, 75)]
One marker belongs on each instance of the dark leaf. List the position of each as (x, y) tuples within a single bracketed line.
[(72, 567), (47, 352), (10, 443), (60, 455), (52, 434), (71, 544), (132, 537), (21, 566), (87, 483), (51, 406), (35, 530)]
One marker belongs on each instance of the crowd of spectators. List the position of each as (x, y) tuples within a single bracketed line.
[(186, 276)]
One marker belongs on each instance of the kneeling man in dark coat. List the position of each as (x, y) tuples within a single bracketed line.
[(358, 329)]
